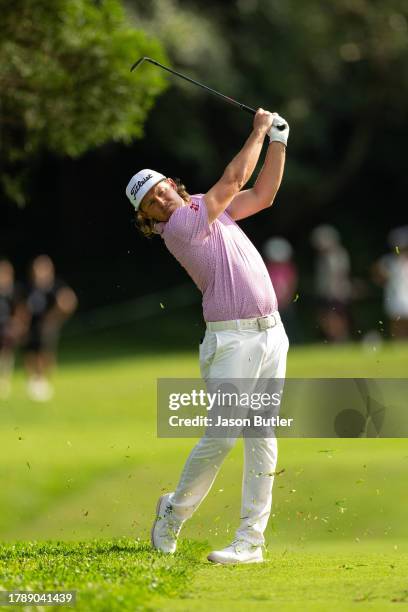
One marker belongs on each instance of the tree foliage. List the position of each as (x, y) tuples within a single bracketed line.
[(336, 70), (65, 81)]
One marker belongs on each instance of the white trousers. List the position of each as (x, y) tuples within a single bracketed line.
[(249, 354)]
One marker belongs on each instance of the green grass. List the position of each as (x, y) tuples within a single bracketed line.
[(107, 575), (84, 471), (296, 581), (125, 575)]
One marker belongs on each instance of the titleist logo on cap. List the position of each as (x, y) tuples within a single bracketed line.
[(139, 185)]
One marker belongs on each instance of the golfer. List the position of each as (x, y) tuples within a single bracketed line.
[(244, 337)]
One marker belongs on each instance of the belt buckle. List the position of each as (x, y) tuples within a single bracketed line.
[(265, 322)]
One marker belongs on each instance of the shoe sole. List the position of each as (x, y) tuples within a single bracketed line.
[(234, 562), (156, 520)]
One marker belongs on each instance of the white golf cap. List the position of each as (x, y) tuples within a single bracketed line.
[(140, 184)]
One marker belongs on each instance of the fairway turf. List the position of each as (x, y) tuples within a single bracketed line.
[(107, 575), (125, 575), (88, 467)]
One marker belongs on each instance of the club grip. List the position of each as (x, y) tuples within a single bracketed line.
[(252, 111)]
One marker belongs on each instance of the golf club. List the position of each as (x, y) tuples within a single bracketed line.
[(244, 107)]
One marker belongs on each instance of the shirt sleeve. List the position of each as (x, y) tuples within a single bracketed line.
[(189, 223)]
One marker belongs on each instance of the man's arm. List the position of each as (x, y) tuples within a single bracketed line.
[(263, 193), (240, 169)]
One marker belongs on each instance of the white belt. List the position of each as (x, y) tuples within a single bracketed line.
[(258, 323)]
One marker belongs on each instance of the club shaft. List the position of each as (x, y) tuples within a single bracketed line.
[(244, 107)]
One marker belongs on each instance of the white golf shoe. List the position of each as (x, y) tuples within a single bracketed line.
[(238, 552), (166, 527)]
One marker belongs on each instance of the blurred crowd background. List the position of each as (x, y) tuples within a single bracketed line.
[(75, 124), (31, 317)]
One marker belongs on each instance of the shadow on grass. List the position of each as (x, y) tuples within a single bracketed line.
[(189, 549)]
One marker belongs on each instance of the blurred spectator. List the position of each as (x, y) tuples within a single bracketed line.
[(282, 271), (332, 283), (391, 271), (11, 324), (49, 303)]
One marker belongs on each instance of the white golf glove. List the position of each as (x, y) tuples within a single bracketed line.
[(279, 135)]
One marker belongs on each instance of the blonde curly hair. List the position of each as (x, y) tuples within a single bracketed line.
[(147, 226)]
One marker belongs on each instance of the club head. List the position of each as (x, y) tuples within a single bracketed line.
[(139, 61)]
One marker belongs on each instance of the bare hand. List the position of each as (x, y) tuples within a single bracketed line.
[(263, 120)]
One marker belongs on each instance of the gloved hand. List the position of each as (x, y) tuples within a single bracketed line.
[(279, 135)]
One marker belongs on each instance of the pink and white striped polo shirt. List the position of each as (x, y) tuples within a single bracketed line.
[(221, 260)]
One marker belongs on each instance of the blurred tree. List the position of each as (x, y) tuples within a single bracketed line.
[(336, 70), (65, 83), (187, 121)]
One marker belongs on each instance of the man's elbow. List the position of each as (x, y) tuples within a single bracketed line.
[(265, 196), (269, 202), (237, 175), (235, 181)]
